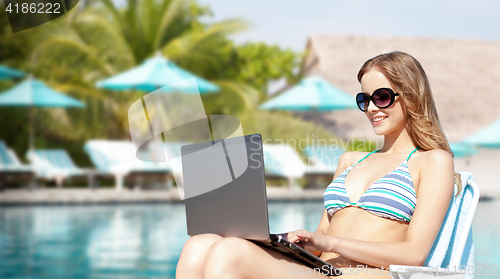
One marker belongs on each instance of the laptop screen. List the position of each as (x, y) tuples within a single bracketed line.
[(224, 186)]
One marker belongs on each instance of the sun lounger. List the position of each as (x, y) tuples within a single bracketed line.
[(117, 158), (56, 165), (281, 160), (452, 255), (11, 168)]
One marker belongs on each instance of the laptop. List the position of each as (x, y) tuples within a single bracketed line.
[(225, 194)]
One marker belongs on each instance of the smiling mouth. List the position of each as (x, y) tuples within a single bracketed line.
[(378, 120)]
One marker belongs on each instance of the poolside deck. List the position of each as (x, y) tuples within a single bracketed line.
[(107, 195), (489, 190)]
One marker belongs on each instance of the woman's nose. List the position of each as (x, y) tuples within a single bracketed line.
[(372, 107)]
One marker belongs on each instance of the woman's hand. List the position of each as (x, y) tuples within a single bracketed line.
[(311, 241)]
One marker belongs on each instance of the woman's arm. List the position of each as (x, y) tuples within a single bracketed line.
[(322, 228), (435, 190)]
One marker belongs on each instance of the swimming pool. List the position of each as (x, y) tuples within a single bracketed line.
[(144, 241)]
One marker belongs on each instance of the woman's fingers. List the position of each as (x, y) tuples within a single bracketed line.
[(309, 241), (292, 236), (299, 237), (320, 241), (304, 234)]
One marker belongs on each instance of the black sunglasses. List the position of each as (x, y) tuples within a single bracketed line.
[(382, 98)]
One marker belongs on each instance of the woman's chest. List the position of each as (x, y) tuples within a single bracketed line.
[(373, 175)]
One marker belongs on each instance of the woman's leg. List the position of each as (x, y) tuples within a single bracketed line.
[(194, 254), (233, 257), (211, 256), (239, 258)]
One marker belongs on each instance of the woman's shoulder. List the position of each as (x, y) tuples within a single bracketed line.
[(433, 157), (428, 161), (435, 167)]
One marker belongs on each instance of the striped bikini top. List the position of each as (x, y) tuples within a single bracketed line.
[(392, 196)]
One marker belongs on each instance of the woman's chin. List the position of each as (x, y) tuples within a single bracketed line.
[(386, 130), (379, 131)]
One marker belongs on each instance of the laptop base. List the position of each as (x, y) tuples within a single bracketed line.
[(279, 243)]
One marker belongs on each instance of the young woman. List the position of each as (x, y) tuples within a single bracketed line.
[(384, 207)]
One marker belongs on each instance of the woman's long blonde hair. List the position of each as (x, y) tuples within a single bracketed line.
[(406, 75)]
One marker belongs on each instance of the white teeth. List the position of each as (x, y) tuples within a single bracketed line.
[(378, 119)]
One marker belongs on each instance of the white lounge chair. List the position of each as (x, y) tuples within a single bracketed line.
[(12, 169), (117, 158), (280, 160), (453, 248), (57, 165)]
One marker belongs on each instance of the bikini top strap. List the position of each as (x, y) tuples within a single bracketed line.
[(368, 155), (412, 153)]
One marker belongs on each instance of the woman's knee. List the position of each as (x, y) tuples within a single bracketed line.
[(196, 248), (229, 248), (206, 239), (226, 256)]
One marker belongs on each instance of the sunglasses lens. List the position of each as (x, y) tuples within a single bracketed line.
[(362, 101), (382, 98)]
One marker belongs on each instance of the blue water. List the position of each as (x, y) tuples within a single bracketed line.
[(144, 241)]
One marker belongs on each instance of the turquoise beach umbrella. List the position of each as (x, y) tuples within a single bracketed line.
[(312, 94), (152, 74), (489, 137), (34, 93), (462, 150), (6, 73)]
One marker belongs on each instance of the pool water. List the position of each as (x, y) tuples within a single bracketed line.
[(145, 241)]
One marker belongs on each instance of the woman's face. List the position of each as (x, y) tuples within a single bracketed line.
[(387, 120)]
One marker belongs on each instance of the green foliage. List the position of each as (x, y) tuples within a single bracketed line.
[(283, 127), (13, 47), (75, 51), (259, 63)]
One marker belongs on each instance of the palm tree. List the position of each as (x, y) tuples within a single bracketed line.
[(102, 40)]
